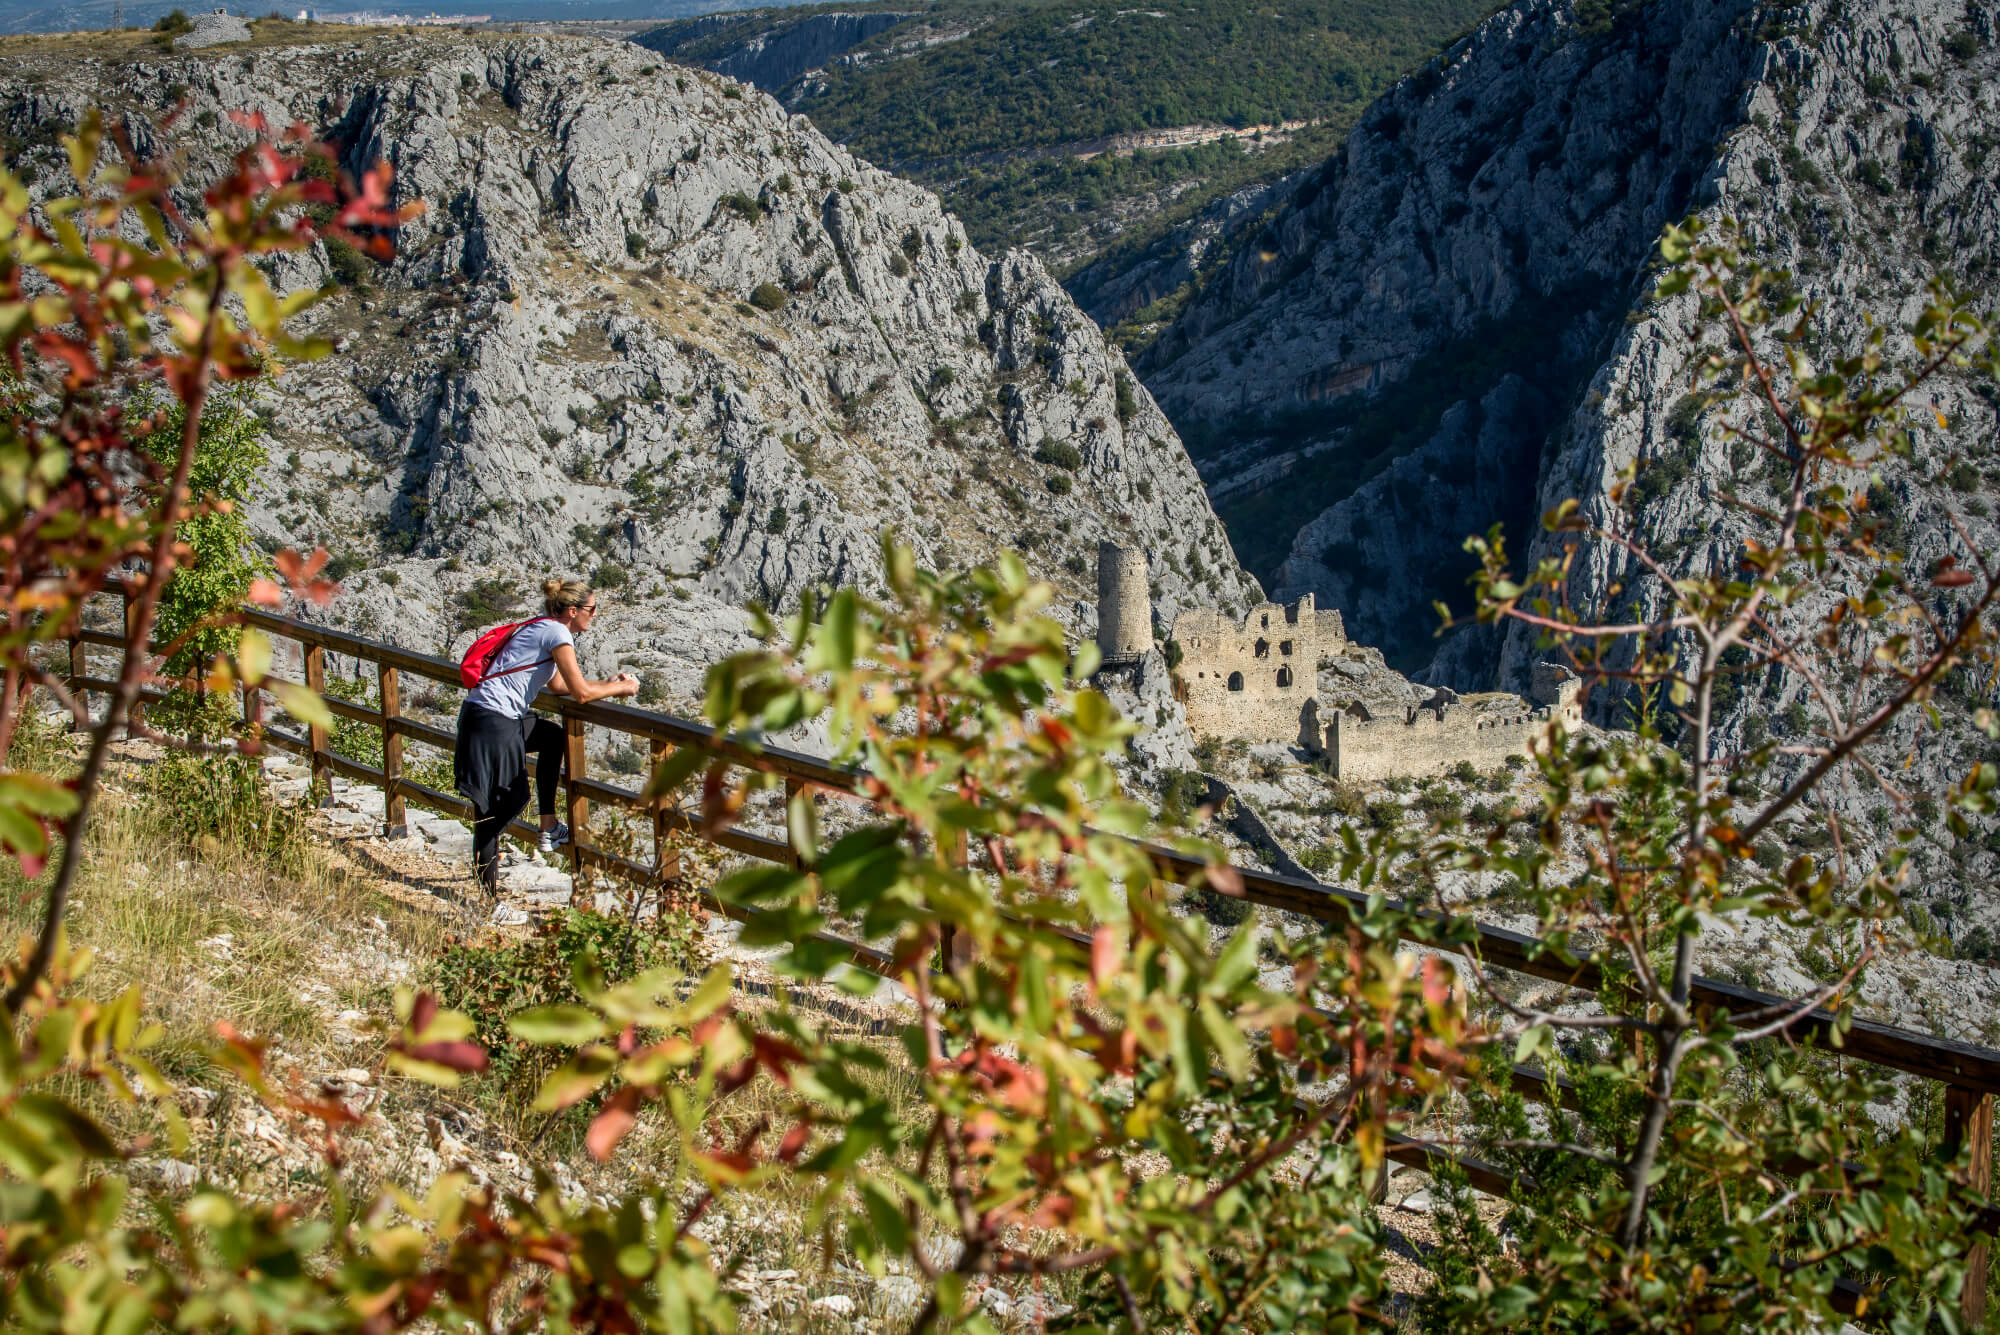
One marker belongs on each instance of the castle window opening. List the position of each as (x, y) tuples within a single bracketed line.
[(1236, 681), (1263, 648), (1284, 676), (1267, 621), (1285, 648)]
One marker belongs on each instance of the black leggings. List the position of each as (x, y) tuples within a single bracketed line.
[(545, 744)]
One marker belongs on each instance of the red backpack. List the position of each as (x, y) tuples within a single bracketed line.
[(472, 669)]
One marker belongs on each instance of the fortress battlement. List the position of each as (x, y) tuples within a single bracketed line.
[(1257, 678)]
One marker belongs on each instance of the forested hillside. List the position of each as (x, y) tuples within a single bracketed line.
[(1016, 110)]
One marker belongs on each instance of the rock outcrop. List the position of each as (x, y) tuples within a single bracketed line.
[(651, 326), (768, 53)]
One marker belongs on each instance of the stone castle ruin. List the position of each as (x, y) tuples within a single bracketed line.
[(1258, 679), (1255, 679), (1124, 605)]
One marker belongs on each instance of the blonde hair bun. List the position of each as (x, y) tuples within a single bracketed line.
[(559, 594)]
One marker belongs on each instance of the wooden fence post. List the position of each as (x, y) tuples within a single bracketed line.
[(578, 804), (793, 787), (1968, 1121), (316, 735), (658, 751), (953, 949), (395, 820), (79, 668)]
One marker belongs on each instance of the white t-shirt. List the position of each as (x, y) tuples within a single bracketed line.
[(513, 694)]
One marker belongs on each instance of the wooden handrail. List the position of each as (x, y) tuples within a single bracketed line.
[(1971, 1074), (1942, 1059)]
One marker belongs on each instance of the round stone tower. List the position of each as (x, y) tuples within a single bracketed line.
[(1124, 604)]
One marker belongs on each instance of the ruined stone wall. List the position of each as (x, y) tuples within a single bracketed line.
[(1331, 632), (1249, 679), (1428, 741)]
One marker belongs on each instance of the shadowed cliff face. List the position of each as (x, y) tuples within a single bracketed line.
[(1377, 373), (765, 53)]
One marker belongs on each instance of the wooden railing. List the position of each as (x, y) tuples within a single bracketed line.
[(1970, 1075)]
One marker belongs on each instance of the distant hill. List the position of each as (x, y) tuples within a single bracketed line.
[(1079, 128)]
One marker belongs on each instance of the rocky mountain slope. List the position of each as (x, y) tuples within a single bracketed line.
[(1440, 302), (1082, 128), (654, 327), (769, 48), (1433, 297), (1450, 325)]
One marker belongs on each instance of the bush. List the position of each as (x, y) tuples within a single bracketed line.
[(743, 206), (652, 687), (212, 802), (1128, 398), (350, 267), (352, 738), (768, 297), (1320, 859), (1059, 484), (1059, 454), (627, 761), (1220, 909), (610, 575), (488, 602), (491, 983)]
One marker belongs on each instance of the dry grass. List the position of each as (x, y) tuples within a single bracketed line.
[(276, 942), (301, 942)]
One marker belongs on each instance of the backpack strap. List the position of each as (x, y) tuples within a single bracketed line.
[(489, 676)]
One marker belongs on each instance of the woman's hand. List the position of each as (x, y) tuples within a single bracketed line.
[(626, 683)]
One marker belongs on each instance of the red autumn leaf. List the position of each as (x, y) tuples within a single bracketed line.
[(732, 1160), (253, 121), (795, 1141), (1949, 576), (265, 593), (735, 1077), (423, 1010), (297, 569), (777, 1056), (1054, 730), (1054, 1212), (1107, 946), (328, 1111), (613, 1123), (458, 1054), (1225, 879)]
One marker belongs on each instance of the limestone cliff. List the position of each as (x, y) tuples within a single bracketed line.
[(770, 52), (1452, 326), (653, 326), (1374, 375)]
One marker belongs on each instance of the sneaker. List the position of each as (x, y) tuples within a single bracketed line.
[(553, 839)]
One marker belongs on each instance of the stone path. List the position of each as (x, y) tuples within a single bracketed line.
[(436, 855)]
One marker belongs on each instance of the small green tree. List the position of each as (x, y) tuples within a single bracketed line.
[(214, 578), (1693, 1175)]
